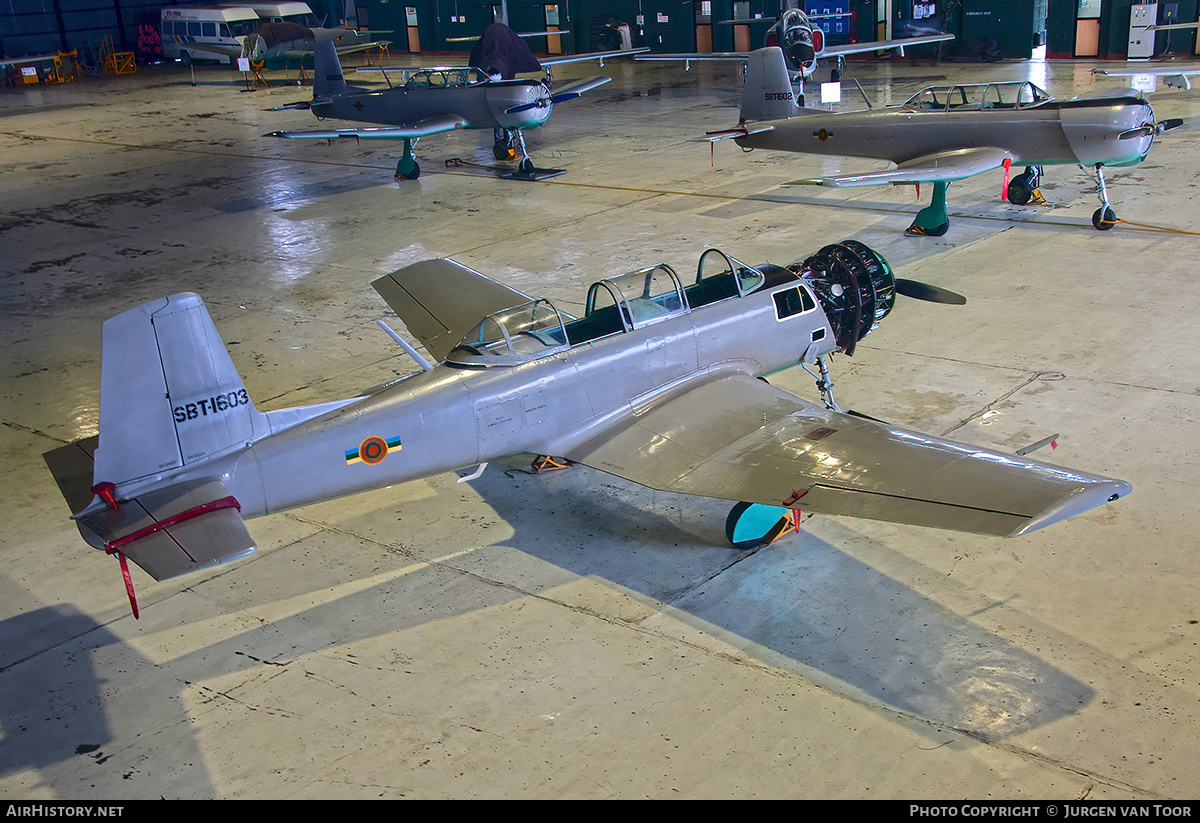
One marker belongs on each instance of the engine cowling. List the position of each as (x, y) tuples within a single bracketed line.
[(855, 285)]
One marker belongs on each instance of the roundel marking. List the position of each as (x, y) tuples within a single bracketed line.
[(372, 450)]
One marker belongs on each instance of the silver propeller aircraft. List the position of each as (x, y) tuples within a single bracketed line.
[(947, 133), (436, 100), (803, 44), (659, 382)]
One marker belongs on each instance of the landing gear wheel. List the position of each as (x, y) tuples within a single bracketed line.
[(503, 150), (1104, 219), (411, 174), (1024, 186), (1019, 191), (835, 76), (753, 525), (526, 166)]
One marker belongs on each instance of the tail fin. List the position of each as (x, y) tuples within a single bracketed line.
[(328, 80), (169, 393), (768, 92)]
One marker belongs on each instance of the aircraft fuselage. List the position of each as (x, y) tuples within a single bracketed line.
[(482, 105), (451, 417), (1059, 131)]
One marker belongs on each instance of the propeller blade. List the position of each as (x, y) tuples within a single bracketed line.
[(1141, 131), (571, 95), (536, 104), (1151, 128), (931, 294)]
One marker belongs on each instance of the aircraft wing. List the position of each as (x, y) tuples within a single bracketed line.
[(1176, 77), (884, 45), (440, 300), (307, 54), (700, 57), (942, 166), (421, 128), (738, 438), (594, 55)]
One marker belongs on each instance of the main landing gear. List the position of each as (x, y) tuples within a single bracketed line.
[(933, 220), (510, 144), (754, 525), (408, 168), (1023, 189)]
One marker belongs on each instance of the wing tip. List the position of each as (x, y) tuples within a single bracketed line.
[(1089, 497)]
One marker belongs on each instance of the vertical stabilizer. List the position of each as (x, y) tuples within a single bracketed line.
[(169, 393), (768, 93), (328, 80)]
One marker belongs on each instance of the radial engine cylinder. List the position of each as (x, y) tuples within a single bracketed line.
[(855, 285)]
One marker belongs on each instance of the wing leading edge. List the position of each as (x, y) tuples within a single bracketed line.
[(421, 128), (779, 450)]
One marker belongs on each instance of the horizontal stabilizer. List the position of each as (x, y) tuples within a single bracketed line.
[(440, 300), (174, 530), (72, 467)]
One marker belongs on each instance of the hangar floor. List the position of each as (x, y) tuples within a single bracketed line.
[(570, 635)]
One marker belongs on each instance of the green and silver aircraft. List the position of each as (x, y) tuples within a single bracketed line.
[(947, 133)]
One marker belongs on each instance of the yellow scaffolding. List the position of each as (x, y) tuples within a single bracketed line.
[(115, 62)]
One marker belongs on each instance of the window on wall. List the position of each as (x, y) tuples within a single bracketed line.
[(1089, 9)]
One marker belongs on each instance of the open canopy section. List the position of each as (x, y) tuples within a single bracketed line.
[(446, 78), (613, 306), (505, 338), (1017, 94)]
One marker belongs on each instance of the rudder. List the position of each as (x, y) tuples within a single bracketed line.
[(169, 392), (768, 93)]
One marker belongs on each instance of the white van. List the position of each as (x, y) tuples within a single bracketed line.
[(191, 33)]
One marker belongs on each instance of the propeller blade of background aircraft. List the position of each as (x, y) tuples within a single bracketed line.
[(1151, 128), (931, 294)]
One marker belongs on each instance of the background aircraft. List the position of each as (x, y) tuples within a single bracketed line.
[(803, 44), (1173, 76), (943, 134), (282, 42), (658, 383), (436, 100), (485, 94), (293, 44)]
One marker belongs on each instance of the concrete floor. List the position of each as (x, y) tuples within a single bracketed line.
[(570, 635)]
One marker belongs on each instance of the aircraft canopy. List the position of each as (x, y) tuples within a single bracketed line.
[(1017, 94)]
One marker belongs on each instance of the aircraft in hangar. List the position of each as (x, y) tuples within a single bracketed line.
[(484, 95), (947, 133), (278, 42), (803, 44), (658, 382), (1178, 77)]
